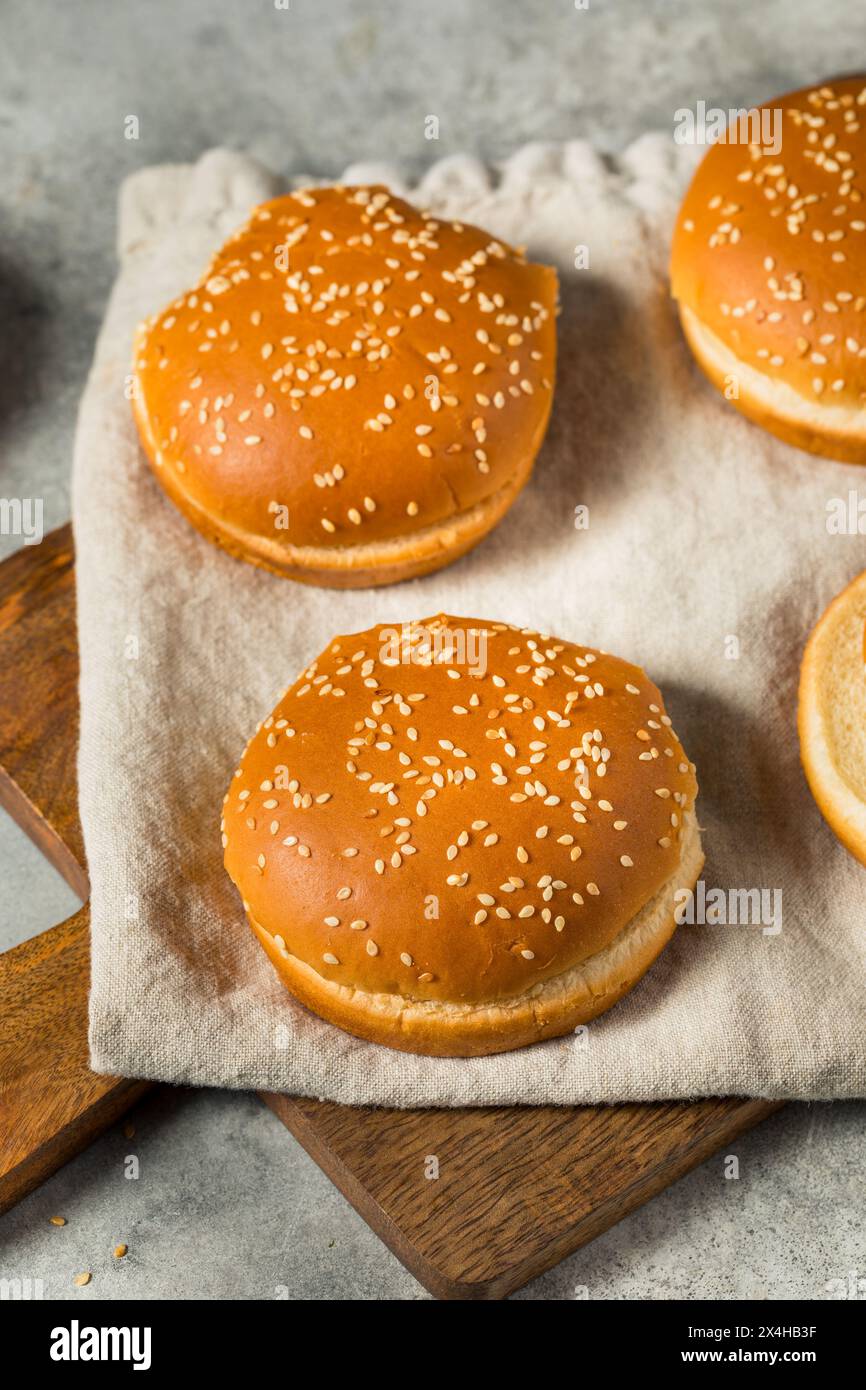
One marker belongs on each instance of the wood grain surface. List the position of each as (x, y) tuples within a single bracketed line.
[(51, 1104), (39, 701), (515, 1188)]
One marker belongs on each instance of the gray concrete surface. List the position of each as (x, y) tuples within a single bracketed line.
[(227, 1205)]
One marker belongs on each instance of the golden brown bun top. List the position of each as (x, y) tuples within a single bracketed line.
[(769, 250), (371, 368), (535, 805)]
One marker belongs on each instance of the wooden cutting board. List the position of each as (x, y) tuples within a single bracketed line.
[(518, 1188)]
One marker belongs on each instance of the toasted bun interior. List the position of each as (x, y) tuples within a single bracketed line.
[(832, 716)]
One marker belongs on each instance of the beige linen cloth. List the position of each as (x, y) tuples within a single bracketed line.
[(706, 559)]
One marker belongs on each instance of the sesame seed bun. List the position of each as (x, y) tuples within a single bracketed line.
[(459, 837), (768, 266), (355, 391), (832, 716)]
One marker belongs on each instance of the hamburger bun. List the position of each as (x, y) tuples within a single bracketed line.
[(460, 837), (832, 716), (354, 393), (768, 268)]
